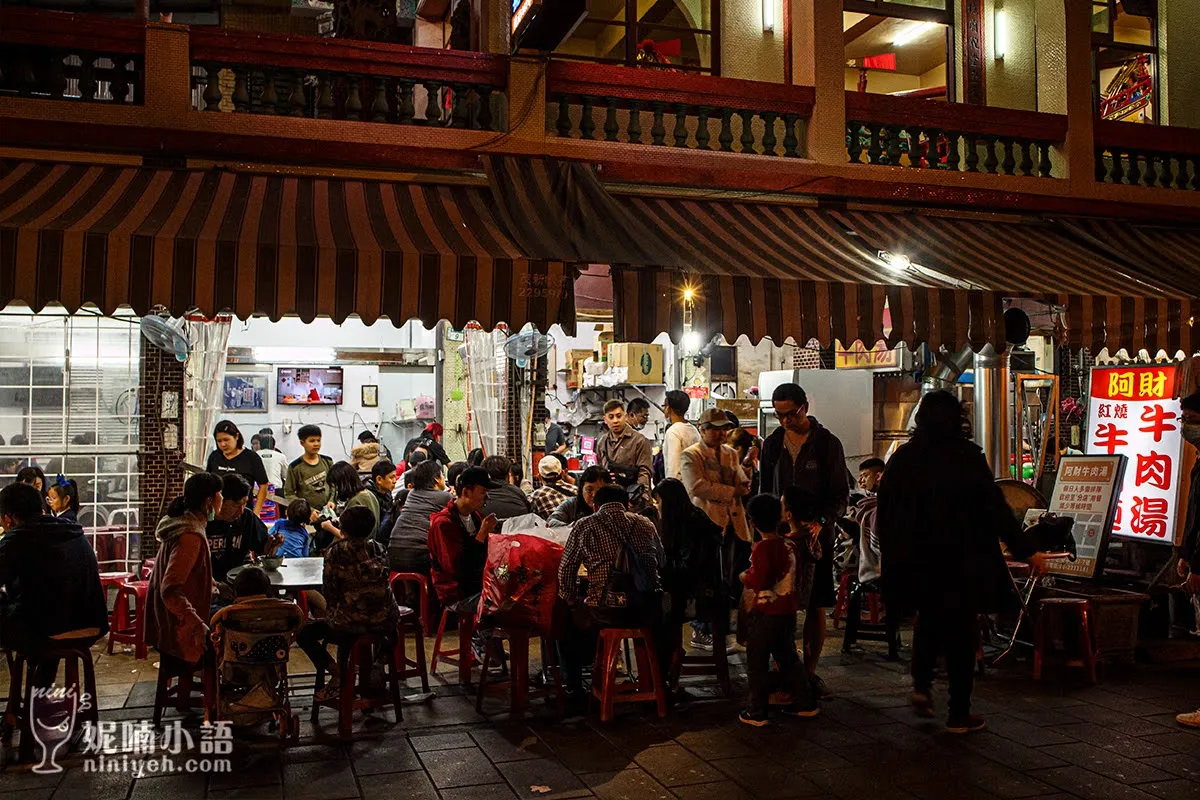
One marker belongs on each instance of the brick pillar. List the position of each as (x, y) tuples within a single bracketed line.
[(160, 452)]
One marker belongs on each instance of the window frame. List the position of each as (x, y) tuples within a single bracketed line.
[(1107, 42), (632, 40), (880, 8)]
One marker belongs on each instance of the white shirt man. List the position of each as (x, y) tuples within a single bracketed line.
[(680, 435)]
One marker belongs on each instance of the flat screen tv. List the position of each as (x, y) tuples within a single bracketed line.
[(310, 386)]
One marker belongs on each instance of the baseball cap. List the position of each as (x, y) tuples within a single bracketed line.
[(549, 467), (367, 436), (715, 418)]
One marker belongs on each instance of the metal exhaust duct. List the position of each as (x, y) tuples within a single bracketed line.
[(991, 408)]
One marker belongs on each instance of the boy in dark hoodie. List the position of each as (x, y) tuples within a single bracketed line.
[(53, 596)]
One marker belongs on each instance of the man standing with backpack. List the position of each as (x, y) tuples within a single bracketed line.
[(804, 453), (623, 557)]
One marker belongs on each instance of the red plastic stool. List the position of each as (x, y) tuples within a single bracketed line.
[(842, 606), (172, 668), (649, 686), (425, 611), (125, 628), (518, 680), (1058, 609), (302, 602), (355, 659), (113, 580), (16, 715), (460, 656), (147, 568), (411, 667)]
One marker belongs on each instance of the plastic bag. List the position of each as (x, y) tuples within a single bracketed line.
[(520, 581)]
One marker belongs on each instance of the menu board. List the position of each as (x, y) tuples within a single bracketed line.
[(1133, 411), (1086, 489)]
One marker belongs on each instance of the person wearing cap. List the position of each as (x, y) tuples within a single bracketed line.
[(458, 542), (553, 492), (715, 480)]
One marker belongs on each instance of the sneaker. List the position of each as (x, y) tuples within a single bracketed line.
[(820, 689), (753, 720), (1192, 719), (797, 710), (702, 641), (968, 723), (922, 703)]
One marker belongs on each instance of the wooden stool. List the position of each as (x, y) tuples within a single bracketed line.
[(172, 668), (125, 629), (16, 714), (649, 685), (888, 631), (1060, 609), (518, 680), (425, 612), (410, 668), (716, 663), (460, 656), (842, 605), (355, 659)]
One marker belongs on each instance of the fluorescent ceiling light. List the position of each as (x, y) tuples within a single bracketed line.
[(911, 33)]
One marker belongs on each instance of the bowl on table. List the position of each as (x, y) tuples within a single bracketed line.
[(270, 563)]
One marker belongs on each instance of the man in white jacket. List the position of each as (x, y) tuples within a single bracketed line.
[(714, 479), (680, 434)]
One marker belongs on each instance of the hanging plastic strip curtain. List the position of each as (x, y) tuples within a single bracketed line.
[(486, 379), (205, 384)]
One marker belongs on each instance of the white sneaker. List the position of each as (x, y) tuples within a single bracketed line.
[(1192, 719)]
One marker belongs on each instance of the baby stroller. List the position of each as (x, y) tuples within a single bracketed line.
[(252, 639)]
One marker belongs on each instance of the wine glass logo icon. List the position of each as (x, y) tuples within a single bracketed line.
[(52, 715)]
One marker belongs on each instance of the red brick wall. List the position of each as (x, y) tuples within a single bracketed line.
[(161, 469)]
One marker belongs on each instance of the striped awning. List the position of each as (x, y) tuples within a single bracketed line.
[(250, 244), (1169, 255)]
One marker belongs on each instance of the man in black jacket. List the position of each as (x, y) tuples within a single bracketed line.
[(804, 453), (381, 483), (505, 499), (52, 597)]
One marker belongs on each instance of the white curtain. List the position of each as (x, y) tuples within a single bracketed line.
[(205, 385), (486, 377)]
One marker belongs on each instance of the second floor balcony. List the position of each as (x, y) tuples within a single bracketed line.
[(706, 109)]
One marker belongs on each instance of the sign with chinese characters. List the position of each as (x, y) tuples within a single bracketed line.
[(1086, 490), (1132, 412), (857, 356)]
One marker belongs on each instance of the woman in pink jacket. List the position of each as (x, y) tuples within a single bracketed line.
[(180, 593)]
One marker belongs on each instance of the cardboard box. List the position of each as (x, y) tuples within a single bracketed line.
[(575, 359), (644, 362)]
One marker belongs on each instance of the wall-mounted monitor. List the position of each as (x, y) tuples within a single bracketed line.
[(310, 386)]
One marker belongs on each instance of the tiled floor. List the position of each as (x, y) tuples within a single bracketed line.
[(1053, 740)]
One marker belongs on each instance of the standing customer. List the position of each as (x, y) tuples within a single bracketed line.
[(274, 462), (804, 453), (180, 594), (622, 451), (680, 434), (941, 519), (232, 458), (1189, 561)]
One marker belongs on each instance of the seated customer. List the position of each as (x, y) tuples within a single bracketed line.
[(357, 593), (505, 498), (614, 599), (555, 489), (295, 541), (180, 593), (235, 532), (53, 596), (408, 545), (458, 542), (381, 483), (576, 508)]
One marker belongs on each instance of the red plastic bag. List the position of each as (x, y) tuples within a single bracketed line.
[(520, 581)]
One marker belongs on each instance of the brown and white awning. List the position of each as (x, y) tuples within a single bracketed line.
[(267, 244)]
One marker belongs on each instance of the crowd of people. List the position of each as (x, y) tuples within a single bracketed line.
[(731, 529)]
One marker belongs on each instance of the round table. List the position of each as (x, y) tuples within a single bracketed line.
[(293, 573)]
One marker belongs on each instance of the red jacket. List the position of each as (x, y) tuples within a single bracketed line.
[(772, 577), (456, 557)]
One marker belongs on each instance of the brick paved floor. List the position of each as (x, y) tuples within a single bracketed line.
[(1052, 740)]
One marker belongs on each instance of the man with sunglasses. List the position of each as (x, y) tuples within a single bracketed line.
[(804, 453)]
